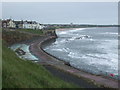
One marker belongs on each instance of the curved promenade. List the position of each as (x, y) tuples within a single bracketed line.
[(71, 74)]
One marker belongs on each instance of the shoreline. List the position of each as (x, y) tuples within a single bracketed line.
[(50, 63), (63, 29), (55, 62), (67, 63), (46, 59)]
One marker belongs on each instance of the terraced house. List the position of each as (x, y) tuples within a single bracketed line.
[(19, 24), (32, 25), (9, 23)]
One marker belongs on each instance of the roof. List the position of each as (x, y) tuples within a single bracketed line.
[(30, 22), (18, 22), (6, 21)]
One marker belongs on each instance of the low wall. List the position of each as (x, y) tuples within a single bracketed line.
[(97, 79), (52, 39), (47, 42)]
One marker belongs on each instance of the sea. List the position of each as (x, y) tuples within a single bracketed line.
[(93, 50), (28, 55)]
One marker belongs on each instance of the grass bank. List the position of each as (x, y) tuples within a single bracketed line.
[(19, 73), (12, 37), (40, 32)]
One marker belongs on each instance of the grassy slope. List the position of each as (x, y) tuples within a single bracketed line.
[(12, 37), (0, 59), (31, 31), (19, 73)]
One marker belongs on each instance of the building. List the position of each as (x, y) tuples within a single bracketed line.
[(18, 24), (4, 24), (32, 25), (9, 23), (41, 26), (27, 24)]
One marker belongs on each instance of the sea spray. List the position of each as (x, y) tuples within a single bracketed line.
[(93, 50)]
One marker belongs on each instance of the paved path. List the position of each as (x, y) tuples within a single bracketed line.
[(57, 67)]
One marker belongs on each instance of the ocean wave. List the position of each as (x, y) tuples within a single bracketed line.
[(79, 29), (80, 37), (73, 55), (61, 41), (68, 31), (57, 50), (63, 32), (110, 33), (95, 65), (61, 50), (89, 51), (25, 48)]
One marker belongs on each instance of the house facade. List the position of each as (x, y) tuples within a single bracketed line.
[(19, 24), (27, 24), (41, 26), (32, 25), (9, 23), (4, 24)]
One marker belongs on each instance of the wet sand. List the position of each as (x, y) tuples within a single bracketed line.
[(67, 73)]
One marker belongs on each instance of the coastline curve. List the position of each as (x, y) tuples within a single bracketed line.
[(48, 59)]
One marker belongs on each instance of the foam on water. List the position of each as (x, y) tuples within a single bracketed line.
[(68, 31), (25, 48), (94, 50), (109, 33), (74, 55)]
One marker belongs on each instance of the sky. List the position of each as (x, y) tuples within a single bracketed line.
[(62, 12), (60, 0)]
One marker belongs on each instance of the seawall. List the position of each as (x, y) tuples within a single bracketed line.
[(99, 80), (47, 42)]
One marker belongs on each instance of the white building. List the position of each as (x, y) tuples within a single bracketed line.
[(40, 26), (19, 24), (32, 25), (9, 23), (27, 24)]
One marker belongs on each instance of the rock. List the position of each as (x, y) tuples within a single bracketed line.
[(67, 63), (20, 51)]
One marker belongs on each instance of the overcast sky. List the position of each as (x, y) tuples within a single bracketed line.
[(63, 12)]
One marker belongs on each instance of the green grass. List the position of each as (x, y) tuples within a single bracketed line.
[(0, 64), (18, 73), (12, 37), (31, 31), (0, 55)]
